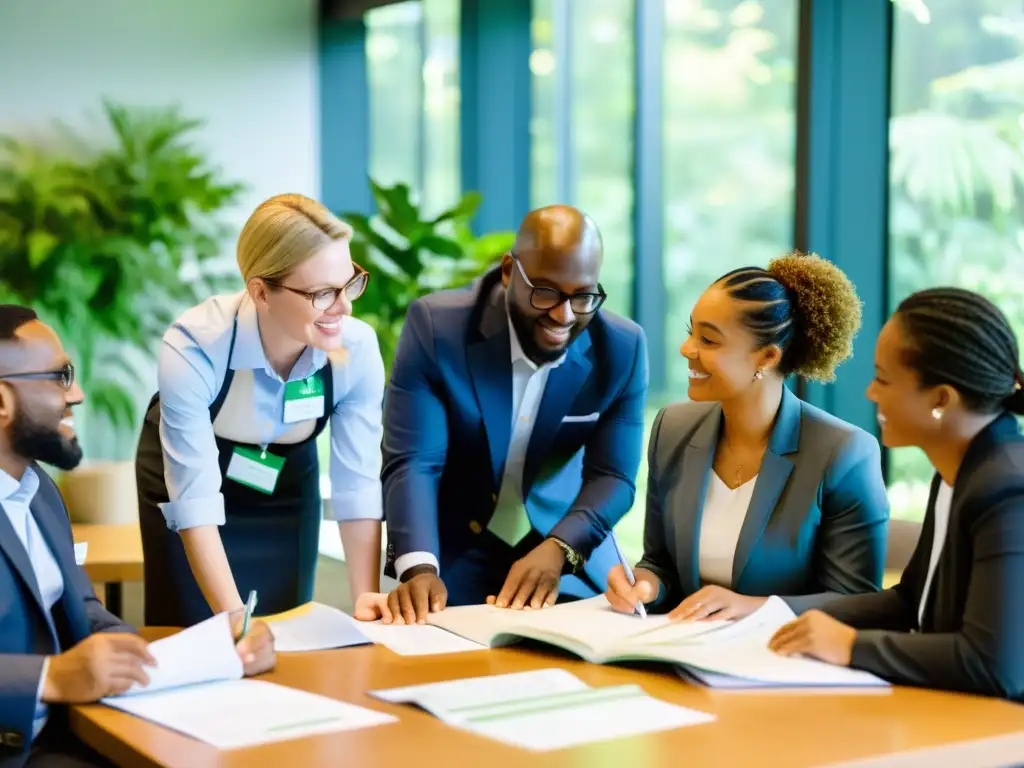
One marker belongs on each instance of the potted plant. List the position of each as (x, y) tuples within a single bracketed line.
[(410, 256), (109, 242)]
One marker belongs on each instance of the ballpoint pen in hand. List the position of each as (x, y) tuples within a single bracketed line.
[(640, 610), (250, 606)]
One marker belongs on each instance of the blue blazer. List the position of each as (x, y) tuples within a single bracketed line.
[(25, 634), (448, 421), (817, 522)]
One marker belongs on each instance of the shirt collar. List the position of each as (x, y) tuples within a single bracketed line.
[(517, 349), (12, 490), (249, 355)]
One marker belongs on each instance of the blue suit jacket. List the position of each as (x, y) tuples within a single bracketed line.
[(25, 635), (448, 421)]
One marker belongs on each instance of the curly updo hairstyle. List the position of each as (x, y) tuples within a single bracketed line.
[(804, 305), (960, 338)]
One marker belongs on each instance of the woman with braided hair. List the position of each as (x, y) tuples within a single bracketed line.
[(948, 381), (751, 491)]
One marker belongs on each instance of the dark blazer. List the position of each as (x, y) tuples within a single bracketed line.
[(816, 525), (448, 423), (25, 635), (972, 634)]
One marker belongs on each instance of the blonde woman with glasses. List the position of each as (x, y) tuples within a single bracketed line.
[(227, 469)]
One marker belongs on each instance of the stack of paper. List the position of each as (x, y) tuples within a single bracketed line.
[(196, 689), (544, 709), (315, 627)]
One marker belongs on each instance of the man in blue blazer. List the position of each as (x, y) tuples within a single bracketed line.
[(58, 645), (513, 429)]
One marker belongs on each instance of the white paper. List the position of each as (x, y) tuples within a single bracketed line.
[(202, 653), (243, 713), (479, 691), (417, 639), (316, 628), (80, 552), (574, 718)]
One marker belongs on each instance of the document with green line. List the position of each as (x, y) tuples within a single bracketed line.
[(545, 709), (197, 689)]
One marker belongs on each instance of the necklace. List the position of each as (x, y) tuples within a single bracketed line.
[(741, 462)]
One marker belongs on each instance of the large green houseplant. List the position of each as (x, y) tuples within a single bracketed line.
[(108, 238), (410, 255)]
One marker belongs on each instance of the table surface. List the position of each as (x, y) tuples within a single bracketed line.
[(115, 551), (764, 728)]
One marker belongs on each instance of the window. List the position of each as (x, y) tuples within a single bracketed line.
[(730, 126), (956, 171), (412, 51), (582, 123)]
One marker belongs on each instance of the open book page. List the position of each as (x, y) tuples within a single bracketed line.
[(315, 627), (589, 628), (741, 651), (200, 654), (245, 713)]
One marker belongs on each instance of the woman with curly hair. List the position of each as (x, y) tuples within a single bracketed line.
[(752, 492)]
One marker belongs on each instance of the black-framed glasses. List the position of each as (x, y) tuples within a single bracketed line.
[(65, 375), (545, 298), (325, 298)]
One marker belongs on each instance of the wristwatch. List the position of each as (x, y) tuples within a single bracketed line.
[(573, 559)]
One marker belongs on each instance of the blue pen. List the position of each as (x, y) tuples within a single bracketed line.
[(640, 610), (250, 606)]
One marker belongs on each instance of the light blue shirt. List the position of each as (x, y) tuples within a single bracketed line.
[(191, 368), (16, 499)]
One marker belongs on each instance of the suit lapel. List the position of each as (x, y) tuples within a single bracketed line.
[(771, 481), (697, 468), (16, 553), (563, 384), (490, 366), (74, 608)]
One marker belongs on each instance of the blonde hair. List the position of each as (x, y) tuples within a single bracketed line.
[(283, 232)]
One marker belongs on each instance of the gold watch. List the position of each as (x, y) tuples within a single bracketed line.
[(573, 559)]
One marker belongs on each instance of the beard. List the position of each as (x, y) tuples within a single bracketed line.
[(35, 442), (524, 327)]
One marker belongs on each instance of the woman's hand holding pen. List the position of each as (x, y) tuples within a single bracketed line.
[(624, 596), (256, 646)]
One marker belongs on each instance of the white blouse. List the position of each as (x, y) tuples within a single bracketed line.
[(943, 500), (725, 509)]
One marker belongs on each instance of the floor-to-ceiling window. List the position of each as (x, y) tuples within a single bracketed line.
[(956, 170), (730, 125), (582, 123), (412, 51)]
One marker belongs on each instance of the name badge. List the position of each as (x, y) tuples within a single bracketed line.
[(257, 469), (303, 399)]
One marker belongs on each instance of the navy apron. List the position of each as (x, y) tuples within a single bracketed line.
[(271, 540)]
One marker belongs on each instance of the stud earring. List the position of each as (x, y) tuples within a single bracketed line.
[(758, 374), (937, 414)]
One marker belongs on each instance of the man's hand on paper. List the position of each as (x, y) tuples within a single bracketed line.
[(624, 596), (104, 664), (533, 580), (714, 602), (818, 635), (420, 594), (256, 648)]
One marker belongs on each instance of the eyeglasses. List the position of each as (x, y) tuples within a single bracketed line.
[(544, 298), (65, 375), (326, 298)]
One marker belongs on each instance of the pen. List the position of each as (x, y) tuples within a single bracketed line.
[(641, 611), (250, 606)]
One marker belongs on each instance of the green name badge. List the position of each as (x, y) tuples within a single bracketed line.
[(257, 469), (303, 399)]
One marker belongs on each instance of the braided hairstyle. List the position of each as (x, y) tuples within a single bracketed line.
[(802, 304), (962, 339)]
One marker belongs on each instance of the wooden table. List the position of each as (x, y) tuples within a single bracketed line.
[(763, 728), (114, 557)]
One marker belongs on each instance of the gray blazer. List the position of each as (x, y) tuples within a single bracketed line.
[(816, 525), (971, 636)]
